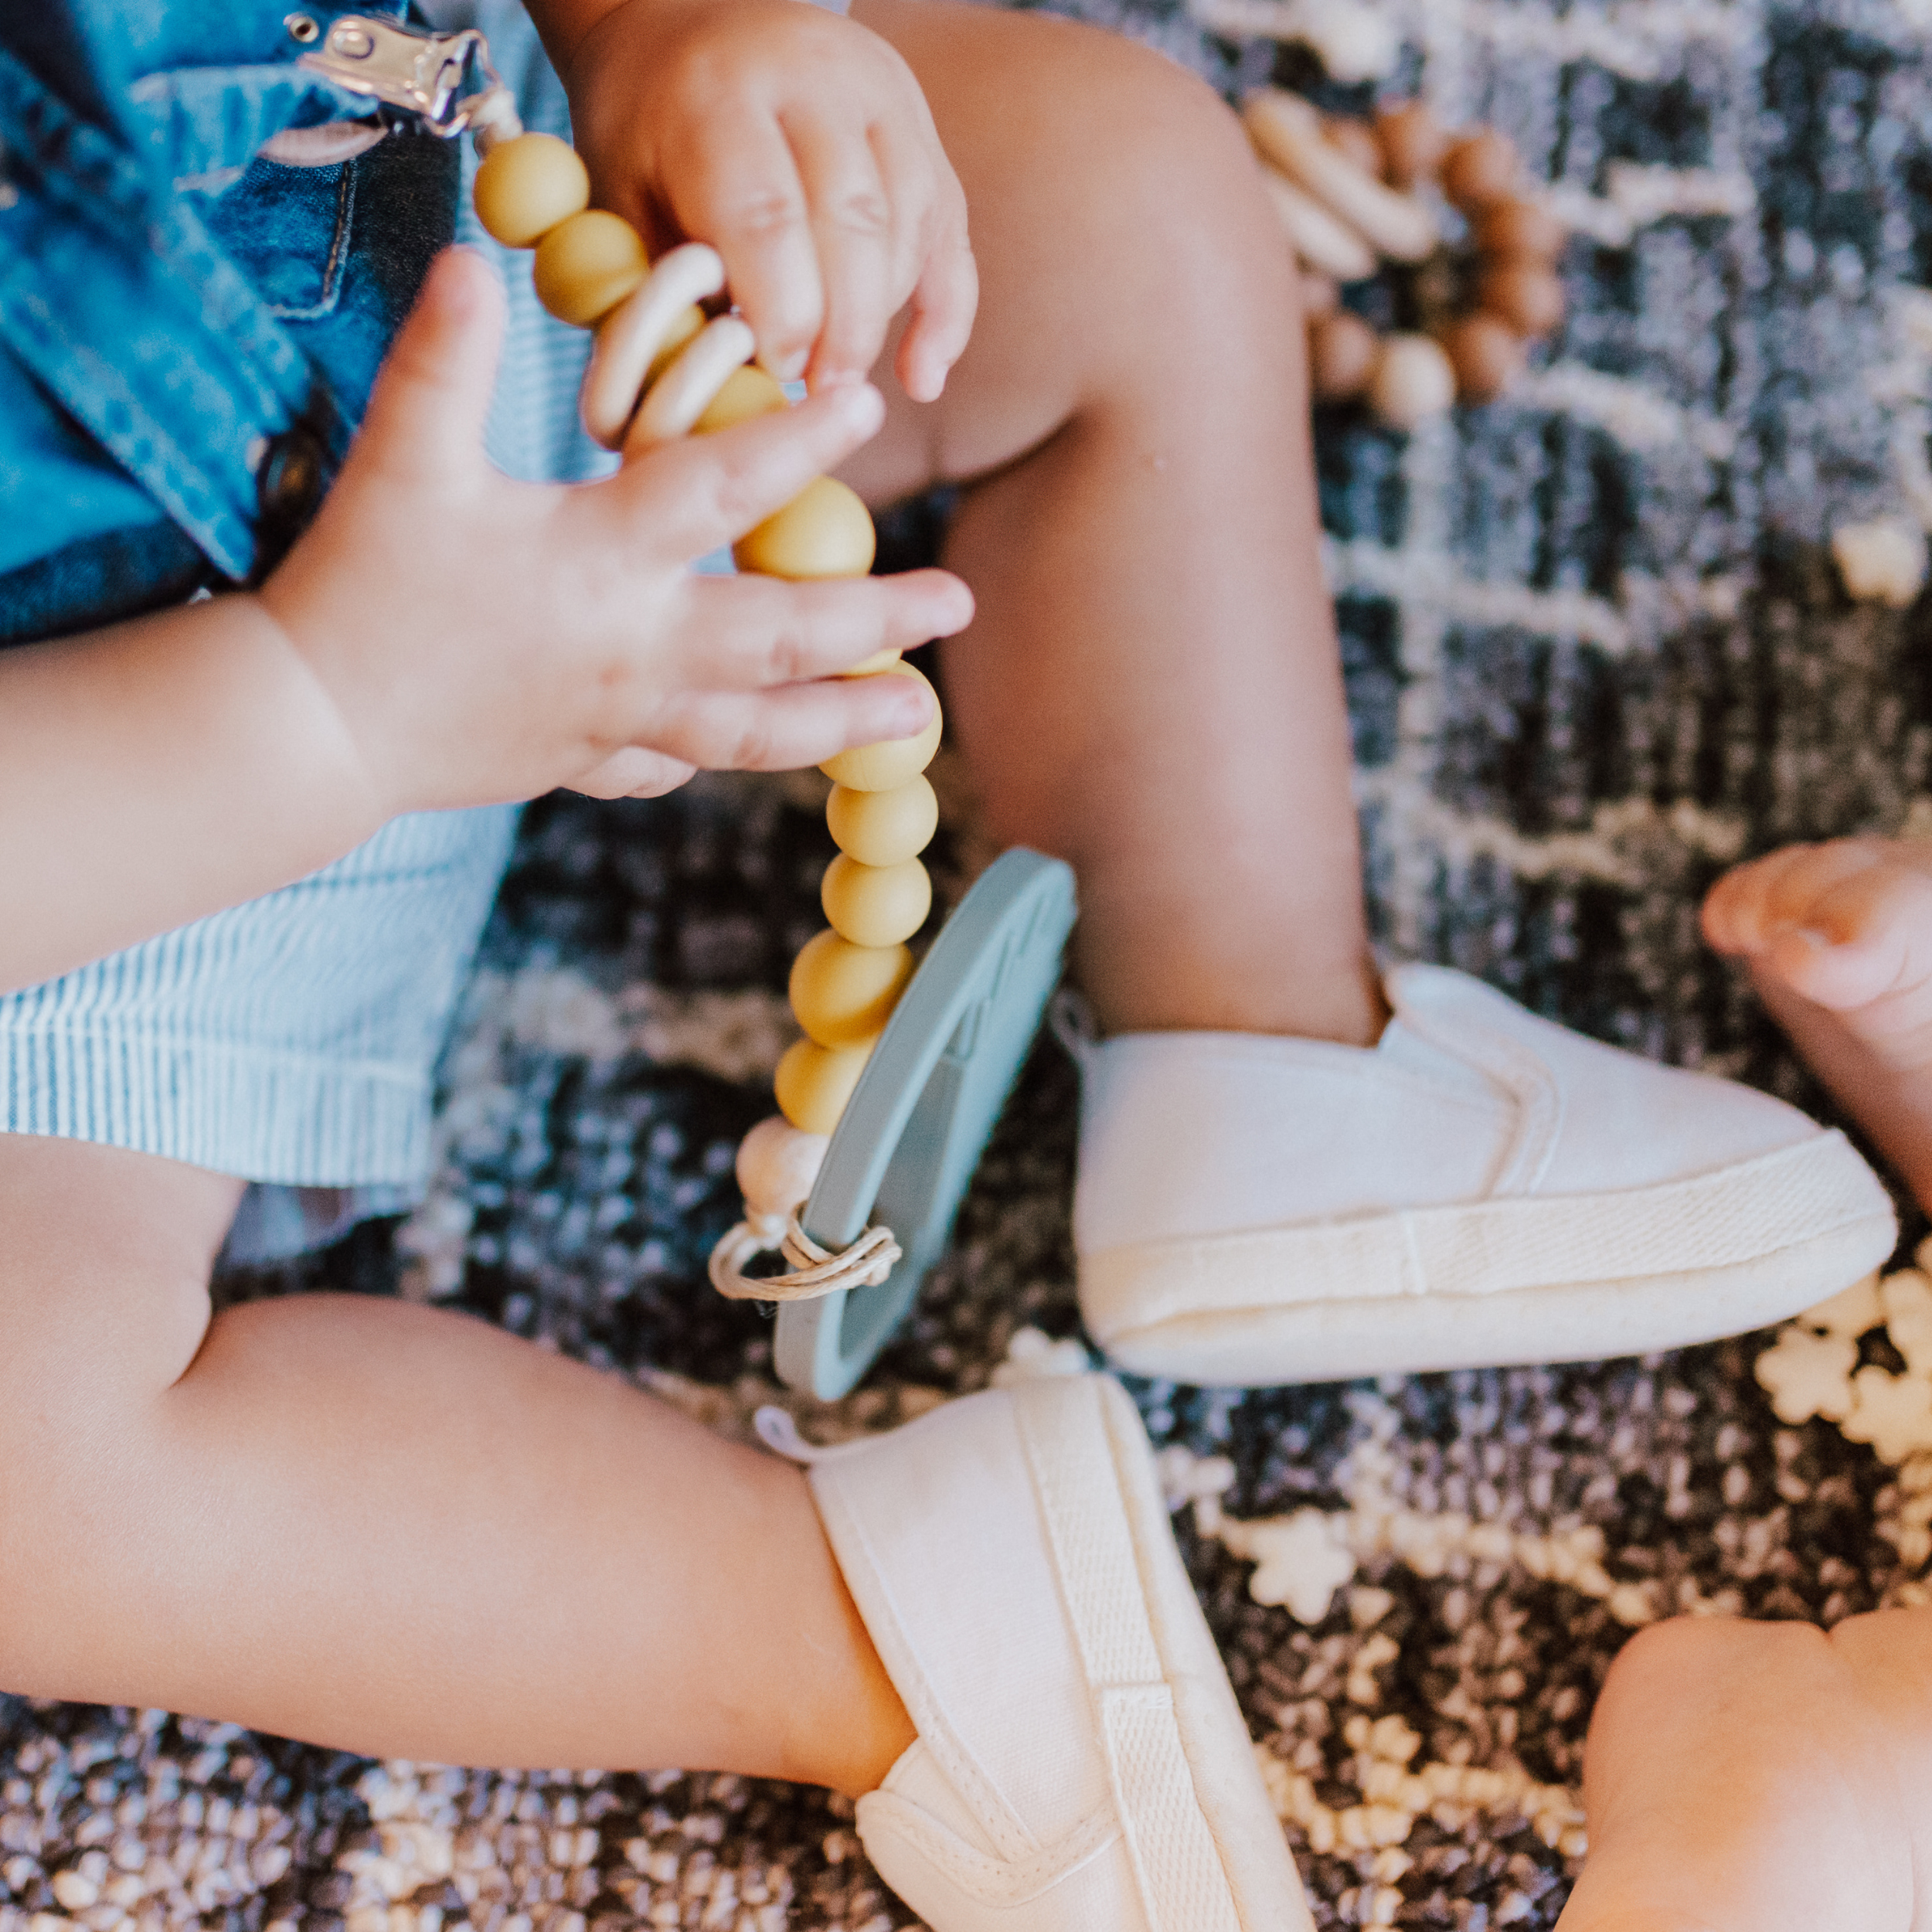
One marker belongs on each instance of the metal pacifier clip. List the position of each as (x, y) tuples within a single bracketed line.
[(886, 1103)]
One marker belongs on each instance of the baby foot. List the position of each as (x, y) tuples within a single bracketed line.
[(1838, 939), (1847, 927), (1761, 1778)]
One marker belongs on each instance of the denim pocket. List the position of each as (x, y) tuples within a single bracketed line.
[(288, 230)]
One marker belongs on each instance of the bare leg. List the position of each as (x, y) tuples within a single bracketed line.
[(1151, 689), (384, 1528), (1762, 1778)]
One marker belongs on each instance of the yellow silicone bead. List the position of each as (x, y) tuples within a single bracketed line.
[(826, 531), (883, 828), (892, 762), (870, 666), (526, 186), (585, 266), (875, 905), (843, 995), (814, 1083), (748, 391)]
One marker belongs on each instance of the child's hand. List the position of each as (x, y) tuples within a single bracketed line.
[(477, 639), (798, 144), (1846, 927)]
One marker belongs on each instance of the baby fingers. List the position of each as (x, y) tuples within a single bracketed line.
[(757, 632), (794, 725)]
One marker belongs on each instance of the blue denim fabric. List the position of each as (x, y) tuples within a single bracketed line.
[(188, 333)]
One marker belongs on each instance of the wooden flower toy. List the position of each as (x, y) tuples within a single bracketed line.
[(1347, 195), (662, 367)]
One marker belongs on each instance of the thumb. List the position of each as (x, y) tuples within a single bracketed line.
[(432, 396)]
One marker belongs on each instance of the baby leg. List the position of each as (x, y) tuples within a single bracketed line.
[(1838, 940), (1761, 1778), (1151, 689), (386, 1528)]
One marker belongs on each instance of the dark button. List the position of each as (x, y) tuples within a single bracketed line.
[(289, 481)]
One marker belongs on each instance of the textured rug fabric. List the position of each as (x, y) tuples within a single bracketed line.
[(1597, 648)]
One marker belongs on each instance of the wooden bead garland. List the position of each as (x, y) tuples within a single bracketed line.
[(663, 368), (1346, 193)]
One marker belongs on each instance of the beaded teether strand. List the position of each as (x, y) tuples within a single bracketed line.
[(660, 369)]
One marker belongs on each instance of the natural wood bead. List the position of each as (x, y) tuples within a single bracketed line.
[(1342, 356), (883, 828), (892, 762), (1513, 229), (777, 1164), (1356, 140), (747, 391), (585, 266), (814, 1083), (1487, 354), (1481, 168), (1528, 298), (843, 995), (526, 186), (1413, 380), (826, 531), (1412, 142), (875, 905)]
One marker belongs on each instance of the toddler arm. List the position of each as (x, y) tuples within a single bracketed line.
[(442, 637)]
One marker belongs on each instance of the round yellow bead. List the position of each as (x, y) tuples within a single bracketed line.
[(883, 828), (826, 531), (814, 1083), (748, 391), (526, 186), (892, 762), (875, 905), (585, 266), (843, 995)]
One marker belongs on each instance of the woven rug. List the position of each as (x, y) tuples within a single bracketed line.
[(1596, 649)]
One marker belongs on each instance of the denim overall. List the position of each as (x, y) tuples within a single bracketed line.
[(188, 332)]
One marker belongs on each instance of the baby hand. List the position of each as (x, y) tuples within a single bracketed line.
[(1846, 927), (475, 639), (799, 145)]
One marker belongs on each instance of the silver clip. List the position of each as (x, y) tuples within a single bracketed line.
[(425, 74)]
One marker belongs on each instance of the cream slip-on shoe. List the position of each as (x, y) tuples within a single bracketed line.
[(1480, 1187), (1081, 1764)]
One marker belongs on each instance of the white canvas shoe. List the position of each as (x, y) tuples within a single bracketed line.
[(1081, 1764), (1481, 1187)]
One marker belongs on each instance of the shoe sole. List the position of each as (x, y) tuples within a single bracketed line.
[(1499, 1282), (1091, 1480)]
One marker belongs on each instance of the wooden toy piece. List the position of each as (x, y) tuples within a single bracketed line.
[(639, 338), (1518, 230), (1412, 142), (1481, 170), (843, 995), (875, 905), (813, 1082), (776, 1166), (1355, 142), (1325, 244), (1486, 353), (882, 827), (1288, 132), (588, 264), (1414, 379), (1526, 295), (1342, 350), (895, 762), (526, 187), (673, 403), (824, 531)]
